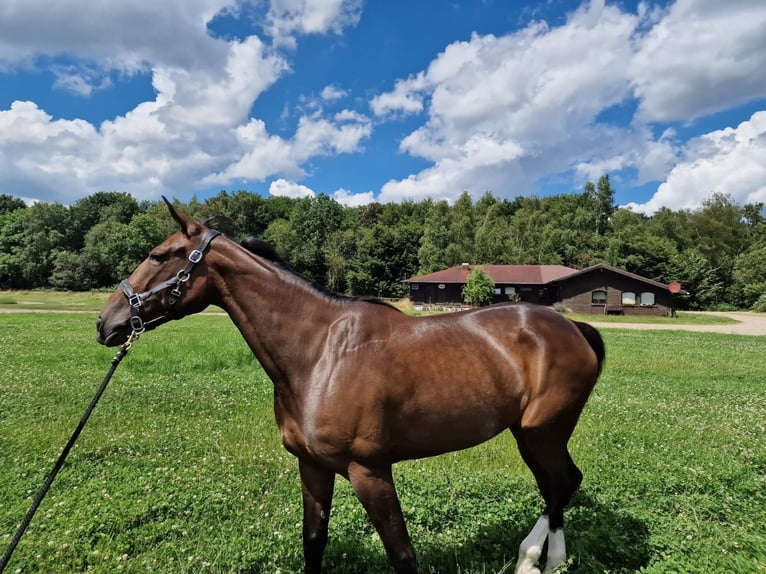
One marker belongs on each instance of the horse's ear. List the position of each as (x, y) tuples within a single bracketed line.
[(184, 221)]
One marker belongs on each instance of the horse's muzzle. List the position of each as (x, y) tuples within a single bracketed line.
[(111, 336)]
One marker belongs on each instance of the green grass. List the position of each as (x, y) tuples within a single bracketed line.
[(40, 300), (180, 468), (683, 318), (53, 300)]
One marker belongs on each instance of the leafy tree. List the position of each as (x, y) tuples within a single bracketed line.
[(435, 242), (31, 238), (721, 235), (716, 252), (462, 232), (485, 202), (479, 289), (99, 207), (673, 225), (693, 271), (570, 229), (604, 204), (103, 251), (385, 256), (306, 239), (9, 203), (532, 235), (750, 274), (634, 247), (493, 235), (69, 272)]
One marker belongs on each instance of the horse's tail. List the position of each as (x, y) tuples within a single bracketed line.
[(594, 340)]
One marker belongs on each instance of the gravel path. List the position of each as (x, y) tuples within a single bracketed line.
[(749, 324)]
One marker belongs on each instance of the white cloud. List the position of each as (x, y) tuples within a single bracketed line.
[(286, 18), (729, 161), (505, 111), (82, 82), (701, 57), (286, 188), (120, 35), (331, 93), (345, 197), (264, 155), (492, 113), (196, 132), (405, 98)]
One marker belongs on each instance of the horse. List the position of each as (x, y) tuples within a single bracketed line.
[(360, 385)]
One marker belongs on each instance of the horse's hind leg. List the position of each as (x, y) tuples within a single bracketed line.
[(375, 490), (317, 485), (558, 478)]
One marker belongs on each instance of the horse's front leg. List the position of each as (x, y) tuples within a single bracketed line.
[(375, 490), (317, 484)]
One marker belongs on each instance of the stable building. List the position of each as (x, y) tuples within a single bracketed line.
[(599, 289)]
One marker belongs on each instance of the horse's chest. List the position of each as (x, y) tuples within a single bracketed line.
[(304, 437)]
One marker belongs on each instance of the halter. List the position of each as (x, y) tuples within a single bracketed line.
[(136, 300)]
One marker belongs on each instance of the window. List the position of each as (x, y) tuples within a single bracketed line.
[(498, 291), (647, 299), (628, 298), (598, 297), (510, 290)]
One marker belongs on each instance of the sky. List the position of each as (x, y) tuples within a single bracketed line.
[(384, 100)]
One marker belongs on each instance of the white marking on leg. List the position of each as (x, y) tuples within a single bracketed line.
[(532, 547), (557, 550)]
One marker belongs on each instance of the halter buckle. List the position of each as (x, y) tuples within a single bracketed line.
[(137, 324), (195, 256), (134, 300)]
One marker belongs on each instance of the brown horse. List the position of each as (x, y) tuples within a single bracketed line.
[(358, 385)]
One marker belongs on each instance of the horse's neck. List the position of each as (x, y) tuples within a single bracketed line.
[(283, 318)]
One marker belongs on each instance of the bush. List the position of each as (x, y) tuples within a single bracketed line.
[(760, 304), (480, 289), (724, 307)]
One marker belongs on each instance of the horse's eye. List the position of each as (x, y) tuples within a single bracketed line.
[(158, 257)]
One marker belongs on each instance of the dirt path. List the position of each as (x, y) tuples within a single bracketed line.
[(749, 324)]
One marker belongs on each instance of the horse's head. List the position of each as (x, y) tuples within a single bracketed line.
[(171, 283)]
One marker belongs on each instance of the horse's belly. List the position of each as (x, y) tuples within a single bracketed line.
[(433, 434)]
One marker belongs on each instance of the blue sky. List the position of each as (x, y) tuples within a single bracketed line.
[(383, 100)]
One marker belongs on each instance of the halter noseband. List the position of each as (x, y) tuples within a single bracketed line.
[(136, 300)]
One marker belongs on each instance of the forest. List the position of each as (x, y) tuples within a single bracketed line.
[(717, 252)]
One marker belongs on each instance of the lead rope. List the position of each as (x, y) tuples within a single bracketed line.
[(62, 457)]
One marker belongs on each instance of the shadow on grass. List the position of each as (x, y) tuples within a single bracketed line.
[(599, 539)]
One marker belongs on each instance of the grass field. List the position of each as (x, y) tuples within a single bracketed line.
[(53, 300), (38, 300), (181, 470)]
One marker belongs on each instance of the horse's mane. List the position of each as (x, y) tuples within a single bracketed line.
[(265, 250), (262, 249)]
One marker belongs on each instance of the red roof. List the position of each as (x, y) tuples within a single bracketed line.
[(500, 274), (604, 266)]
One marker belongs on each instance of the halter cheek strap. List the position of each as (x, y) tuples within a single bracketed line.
[(136, 300)]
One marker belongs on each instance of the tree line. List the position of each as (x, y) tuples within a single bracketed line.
[(717, 252)]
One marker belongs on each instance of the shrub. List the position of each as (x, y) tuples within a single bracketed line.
[(480, 289), (559, 307), (760, 304)]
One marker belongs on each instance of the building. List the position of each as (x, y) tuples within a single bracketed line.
[(603, 289), (600, 289)]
